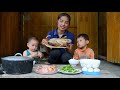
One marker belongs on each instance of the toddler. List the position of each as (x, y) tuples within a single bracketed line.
[(82, 51), (32, 50)]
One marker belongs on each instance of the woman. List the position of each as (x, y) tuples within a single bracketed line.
[(60, 55)]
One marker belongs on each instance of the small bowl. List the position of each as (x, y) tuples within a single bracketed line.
[(73, 62)]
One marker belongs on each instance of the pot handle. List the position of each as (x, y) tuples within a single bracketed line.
[(18, 54), (2, 70)]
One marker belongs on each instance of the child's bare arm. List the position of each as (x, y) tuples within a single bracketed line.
[(40, 54), (24, 53), (92, 54), (76, 56), (32, 54)]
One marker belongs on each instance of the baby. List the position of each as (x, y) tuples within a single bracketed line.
[(32, 50), (82, 51)]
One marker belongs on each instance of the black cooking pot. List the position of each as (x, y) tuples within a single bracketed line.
[(17, 64)]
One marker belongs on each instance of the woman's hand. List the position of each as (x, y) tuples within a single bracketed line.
[(69, 48), (44, 41)]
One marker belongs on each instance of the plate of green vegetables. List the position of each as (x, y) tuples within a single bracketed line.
[(68, 69)]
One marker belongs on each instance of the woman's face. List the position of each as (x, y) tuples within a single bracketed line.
[(81, 42), (32, 45), (63, 23)]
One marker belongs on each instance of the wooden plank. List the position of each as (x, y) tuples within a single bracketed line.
[(10, 36), (113, 37), (87, 22)]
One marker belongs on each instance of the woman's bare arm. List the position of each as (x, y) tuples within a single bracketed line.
[(70, 48)]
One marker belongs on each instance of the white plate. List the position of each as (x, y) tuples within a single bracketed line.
[(47, 45), (47, 73), (44, 73), (78, 71)]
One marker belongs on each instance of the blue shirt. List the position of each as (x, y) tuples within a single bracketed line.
[(67, 34)]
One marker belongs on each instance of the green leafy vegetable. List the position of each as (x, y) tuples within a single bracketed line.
[(68, 68)]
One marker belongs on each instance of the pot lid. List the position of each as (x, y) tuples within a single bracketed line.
[(16, 58)]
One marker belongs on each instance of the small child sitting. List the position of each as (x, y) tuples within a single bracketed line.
[(32, 50), (82, 51)]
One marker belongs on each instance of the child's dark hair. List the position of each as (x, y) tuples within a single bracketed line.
[(32, 38), (85, 36), (64, 14)]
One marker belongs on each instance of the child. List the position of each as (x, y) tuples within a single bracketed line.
[(82, 51), (32, 50)]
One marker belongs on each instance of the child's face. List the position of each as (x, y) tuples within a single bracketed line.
[(32, 45), (63, 23), (81, 42)]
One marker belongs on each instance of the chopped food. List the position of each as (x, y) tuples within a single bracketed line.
[(46, 69)]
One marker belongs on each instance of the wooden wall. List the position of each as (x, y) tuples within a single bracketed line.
[(87, 22), (13, 38), (39, 23), (10, 34), (102, 35), (113, 37)]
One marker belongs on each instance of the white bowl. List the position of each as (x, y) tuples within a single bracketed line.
[(73, 62), (90, 63)]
